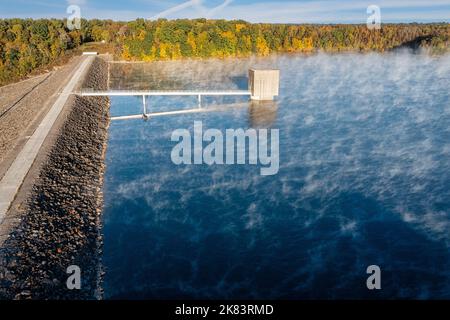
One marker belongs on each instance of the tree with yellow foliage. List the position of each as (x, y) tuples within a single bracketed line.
[(126, 52), (261, 47)]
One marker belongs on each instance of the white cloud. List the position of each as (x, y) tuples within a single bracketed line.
[(77, 2), (197, 5)]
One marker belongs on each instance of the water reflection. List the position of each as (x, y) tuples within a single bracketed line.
[(262, 114)]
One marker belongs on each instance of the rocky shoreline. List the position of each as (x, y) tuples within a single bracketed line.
[(61, 225)]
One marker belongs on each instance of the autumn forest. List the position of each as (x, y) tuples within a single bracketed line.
[(26, 45)]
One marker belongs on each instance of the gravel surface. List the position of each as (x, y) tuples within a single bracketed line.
[(61, 225), (29, 99), (12, 93)]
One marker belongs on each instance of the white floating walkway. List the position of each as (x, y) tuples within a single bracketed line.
[(87, 93), (159, 114), (144, 94), (263, 85), (176, 112), (13, 178)]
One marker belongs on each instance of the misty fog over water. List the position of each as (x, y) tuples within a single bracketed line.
[(364, 180)]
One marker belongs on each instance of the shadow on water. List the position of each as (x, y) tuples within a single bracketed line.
[(414, 45), (240, 81)]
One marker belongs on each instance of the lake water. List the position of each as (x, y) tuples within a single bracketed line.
[(364, 180)]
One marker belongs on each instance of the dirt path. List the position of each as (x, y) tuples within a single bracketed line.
[(22, 107), (11, 94)]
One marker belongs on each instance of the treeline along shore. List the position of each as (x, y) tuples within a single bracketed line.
[(26, 45), (61, 225)]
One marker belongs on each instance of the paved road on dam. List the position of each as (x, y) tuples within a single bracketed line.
[(14, 177)]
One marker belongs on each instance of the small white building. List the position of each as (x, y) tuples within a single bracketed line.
[(264, 84)]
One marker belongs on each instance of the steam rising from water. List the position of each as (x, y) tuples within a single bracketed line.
[(364, 179)]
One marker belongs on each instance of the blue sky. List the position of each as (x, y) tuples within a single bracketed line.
[(284, 11)]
